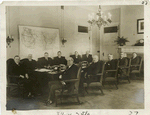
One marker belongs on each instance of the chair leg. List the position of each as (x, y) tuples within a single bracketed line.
[(56, 101), (86, 90), (116, 85), (101, 90), (128, 79), (78, 99)]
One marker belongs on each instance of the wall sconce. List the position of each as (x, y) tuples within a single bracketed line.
[(9, 40), (63, 41)]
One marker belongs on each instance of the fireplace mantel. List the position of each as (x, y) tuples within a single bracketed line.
[(131, 49)]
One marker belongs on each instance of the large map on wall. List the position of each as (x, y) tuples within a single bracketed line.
[(37, 40)]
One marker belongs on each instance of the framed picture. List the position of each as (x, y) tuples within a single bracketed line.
[(140, 26)]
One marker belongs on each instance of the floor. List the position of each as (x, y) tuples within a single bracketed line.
[(128, 96)]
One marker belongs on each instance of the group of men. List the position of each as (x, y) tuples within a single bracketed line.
[(23, 72)]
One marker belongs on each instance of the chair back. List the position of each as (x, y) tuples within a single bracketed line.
[(78, 77), (129, 66), (140, 63), (102, 73), (117, 64), (84, 64)]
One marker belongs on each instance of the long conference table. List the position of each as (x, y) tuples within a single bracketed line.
[(44, 75)]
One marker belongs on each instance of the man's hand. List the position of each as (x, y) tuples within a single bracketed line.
[(63, 83), (21, 76), (27, 76), (60, 77)]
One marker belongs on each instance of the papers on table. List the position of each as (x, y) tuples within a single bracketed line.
[(43, 70)]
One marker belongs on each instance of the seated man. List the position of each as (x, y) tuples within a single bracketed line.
[(76, 57), (87, 57), (93, 69), (69, 73), (45, 62), (135, 60), (110, 65), (30, 65), (18, 75), (123, 62), (60, 59)]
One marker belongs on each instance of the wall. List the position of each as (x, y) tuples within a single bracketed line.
[(50, 16), (128, 27)]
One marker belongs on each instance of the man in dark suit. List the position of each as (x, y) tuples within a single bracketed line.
[(135, 60), (93, 69), (60, 59), (30, 65), (18, 75), (70, 73), (123, 62), (45, 62), (111, 64), (87, 57), (76, 57)]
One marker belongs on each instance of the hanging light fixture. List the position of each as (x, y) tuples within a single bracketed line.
[(9, 40), (62, 26), (99, 19)]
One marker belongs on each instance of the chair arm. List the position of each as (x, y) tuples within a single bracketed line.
[(71, 80), (135, 65), (110, 70), (13, 76), (99, 74), (123, 67)]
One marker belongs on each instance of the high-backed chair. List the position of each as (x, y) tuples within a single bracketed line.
[(13, 89), (127, 69), (84, 64), (62, 93), (113, 78), (96, 80), (137, 67)]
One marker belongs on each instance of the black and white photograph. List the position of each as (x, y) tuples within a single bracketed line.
[(74, 57)]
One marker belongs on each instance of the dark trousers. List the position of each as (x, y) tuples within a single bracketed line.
[(26, 84), (34, 84), (56, 85), (53, 85)]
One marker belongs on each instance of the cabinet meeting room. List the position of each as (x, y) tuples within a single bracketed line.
[(75, 57)]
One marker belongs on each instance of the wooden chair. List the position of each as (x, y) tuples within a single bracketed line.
[(113, 78), (127, 68), (138, 67), (84, 64), (96, 80), (12, 88), (62, 93)]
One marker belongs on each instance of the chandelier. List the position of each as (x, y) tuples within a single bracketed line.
[(99, 19)]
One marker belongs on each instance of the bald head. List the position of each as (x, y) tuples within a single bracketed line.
[(110, 56), (30, 56), (95, 58), (87, 52)]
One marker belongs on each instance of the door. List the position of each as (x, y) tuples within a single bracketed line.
[(107, 44)]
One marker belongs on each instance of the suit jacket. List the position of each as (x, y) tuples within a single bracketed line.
[(61, 60), (88, 59), (15, 70), (95, 68), (135, 61), (76, 60), (29, 65), (111, 65), (123, 61), (43, 62), (70, 73)]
